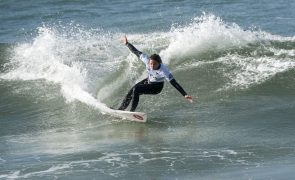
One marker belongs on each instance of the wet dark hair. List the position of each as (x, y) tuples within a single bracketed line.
[(156, 57)]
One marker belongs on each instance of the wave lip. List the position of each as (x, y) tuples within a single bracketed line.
[(204, 34)]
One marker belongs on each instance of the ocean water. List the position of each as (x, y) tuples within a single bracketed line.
[(62, 62)]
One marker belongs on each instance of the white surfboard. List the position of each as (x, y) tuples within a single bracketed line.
[(128, 115)]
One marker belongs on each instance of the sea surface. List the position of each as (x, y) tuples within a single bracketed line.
[(62, 62)]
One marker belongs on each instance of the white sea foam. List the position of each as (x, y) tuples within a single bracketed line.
[(54, 57), (20, 175), (231, 152), (254, 70), (205, 33), (13, 175)]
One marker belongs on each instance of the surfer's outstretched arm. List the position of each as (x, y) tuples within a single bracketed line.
[(131, 47), (177, 86)]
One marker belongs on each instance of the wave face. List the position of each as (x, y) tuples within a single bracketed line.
[(220, 56), (209, 53)]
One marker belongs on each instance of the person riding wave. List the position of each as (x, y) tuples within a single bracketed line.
[(154, 83)]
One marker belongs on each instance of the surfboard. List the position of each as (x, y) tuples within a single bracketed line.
[(128, 115)]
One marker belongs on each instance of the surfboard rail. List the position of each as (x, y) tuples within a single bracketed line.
[(128, 115)]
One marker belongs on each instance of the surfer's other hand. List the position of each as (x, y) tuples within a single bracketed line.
[(189, 98), (125, 40)]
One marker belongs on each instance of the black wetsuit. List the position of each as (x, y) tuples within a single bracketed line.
[(150, 85)]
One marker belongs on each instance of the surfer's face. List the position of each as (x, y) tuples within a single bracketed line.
[(154, 64)]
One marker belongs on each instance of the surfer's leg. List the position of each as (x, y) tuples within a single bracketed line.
[(129, 95), (126, 100), (144, 89)]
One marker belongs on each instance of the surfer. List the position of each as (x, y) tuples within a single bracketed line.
[(154, 83)]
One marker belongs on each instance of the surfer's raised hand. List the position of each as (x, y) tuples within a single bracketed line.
[(125, 40), (189, 98)]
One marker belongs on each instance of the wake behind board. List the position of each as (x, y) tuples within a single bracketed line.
[(128, 115)]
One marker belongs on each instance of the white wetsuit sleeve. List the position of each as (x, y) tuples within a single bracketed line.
[(167, 73), (171, 79), (145, 58)]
